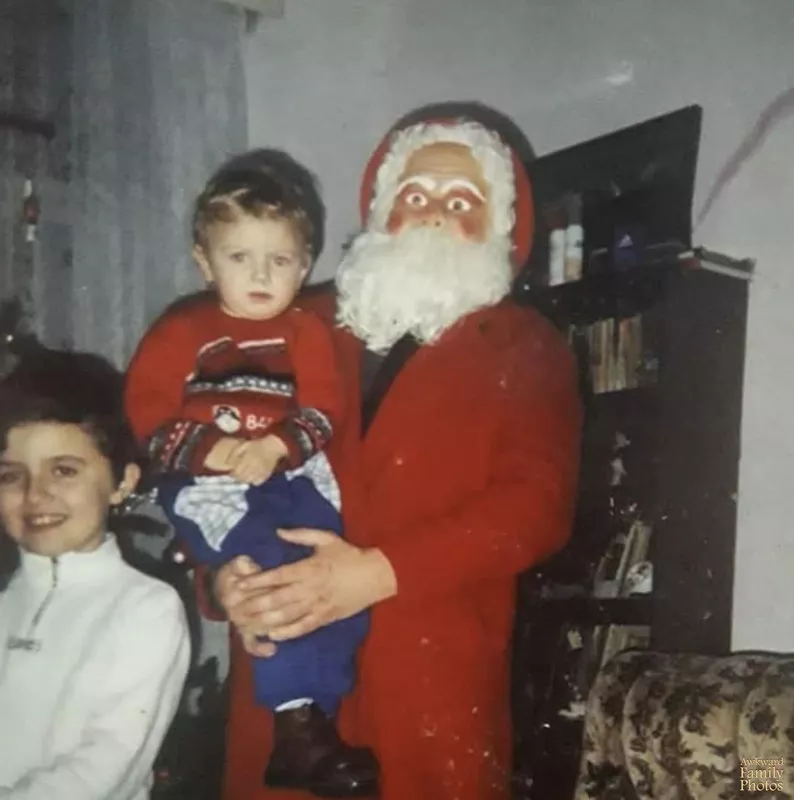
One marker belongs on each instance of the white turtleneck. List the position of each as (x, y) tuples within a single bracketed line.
[(93, 658)]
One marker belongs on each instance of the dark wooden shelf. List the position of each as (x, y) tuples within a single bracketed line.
[(618, 505), (626, 408), (612, 293), (677, 437), (635, 610), (625, 402)]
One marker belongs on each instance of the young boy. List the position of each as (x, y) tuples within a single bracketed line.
[(236, 398), (94, 654)]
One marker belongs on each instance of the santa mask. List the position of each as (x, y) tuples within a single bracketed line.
[(442, 188), (439, 238)]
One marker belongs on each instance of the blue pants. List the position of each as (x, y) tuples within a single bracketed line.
[(320, 665)]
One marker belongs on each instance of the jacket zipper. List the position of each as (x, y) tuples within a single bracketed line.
[(47, 600)]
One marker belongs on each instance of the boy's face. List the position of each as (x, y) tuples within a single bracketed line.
[(257, 265), (56, 488)]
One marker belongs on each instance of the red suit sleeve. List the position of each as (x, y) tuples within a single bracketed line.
[(154, 394), (524, 513), (320, 397)]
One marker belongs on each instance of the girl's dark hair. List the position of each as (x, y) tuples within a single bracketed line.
[(73, 388), (70, 387), (263, 182)]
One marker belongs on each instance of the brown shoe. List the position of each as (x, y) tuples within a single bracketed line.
[(309, 754)]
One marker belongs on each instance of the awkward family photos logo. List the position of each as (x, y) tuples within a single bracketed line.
[(761, 775)]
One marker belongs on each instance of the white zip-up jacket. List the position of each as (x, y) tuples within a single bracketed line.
[(93, 660)]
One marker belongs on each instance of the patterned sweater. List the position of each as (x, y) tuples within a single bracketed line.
[(199, 375)]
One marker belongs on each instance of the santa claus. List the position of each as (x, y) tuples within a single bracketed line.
[(458, 467)]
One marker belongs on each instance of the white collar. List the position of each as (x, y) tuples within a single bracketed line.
[(72, 568)]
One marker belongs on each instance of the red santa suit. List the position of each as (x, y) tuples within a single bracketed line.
[(465, 478)]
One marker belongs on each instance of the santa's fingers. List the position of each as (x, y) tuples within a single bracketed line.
[(270, 607), (257, 646), (306, 624), (285, 605)]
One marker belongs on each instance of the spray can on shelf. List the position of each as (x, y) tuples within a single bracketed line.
[(556, 246), (574, 238)]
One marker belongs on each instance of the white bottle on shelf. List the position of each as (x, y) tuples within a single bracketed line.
[(574, 240), (557, 256)]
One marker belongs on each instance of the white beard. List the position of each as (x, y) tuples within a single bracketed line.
[(419, 282)]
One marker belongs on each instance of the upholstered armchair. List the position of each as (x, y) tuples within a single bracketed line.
[(683, 727)]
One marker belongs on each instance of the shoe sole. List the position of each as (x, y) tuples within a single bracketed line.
[(319, 791)]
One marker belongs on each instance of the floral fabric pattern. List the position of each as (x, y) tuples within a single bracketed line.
[(678, 727)]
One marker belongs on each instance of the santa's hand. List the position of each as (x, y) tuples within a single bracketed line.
[(336, 582), (236, 602), (257, 460), (255, 645)]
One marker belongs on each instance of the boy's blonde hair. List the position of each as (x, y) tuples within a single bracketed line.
[(262, 183)]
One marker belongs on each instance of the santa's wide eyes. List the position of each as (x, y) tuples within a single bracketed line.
[(416, 200), (454, 204), (459, 205)]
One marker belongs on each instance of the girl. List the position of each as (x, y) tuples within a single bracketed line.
[(93, 654)]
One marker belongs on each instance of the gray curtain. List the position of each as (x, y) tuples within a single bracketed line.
[(35, 62), (147, 97)]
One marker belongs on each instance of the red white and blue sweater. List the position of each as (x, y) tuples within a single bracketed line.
[(200, 374)]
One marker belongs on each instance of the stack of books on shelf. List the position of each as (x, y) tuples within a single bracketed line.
[(617, 357)]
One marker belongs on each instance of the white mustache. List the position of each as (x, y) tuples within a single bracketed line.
[(420, 282)]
